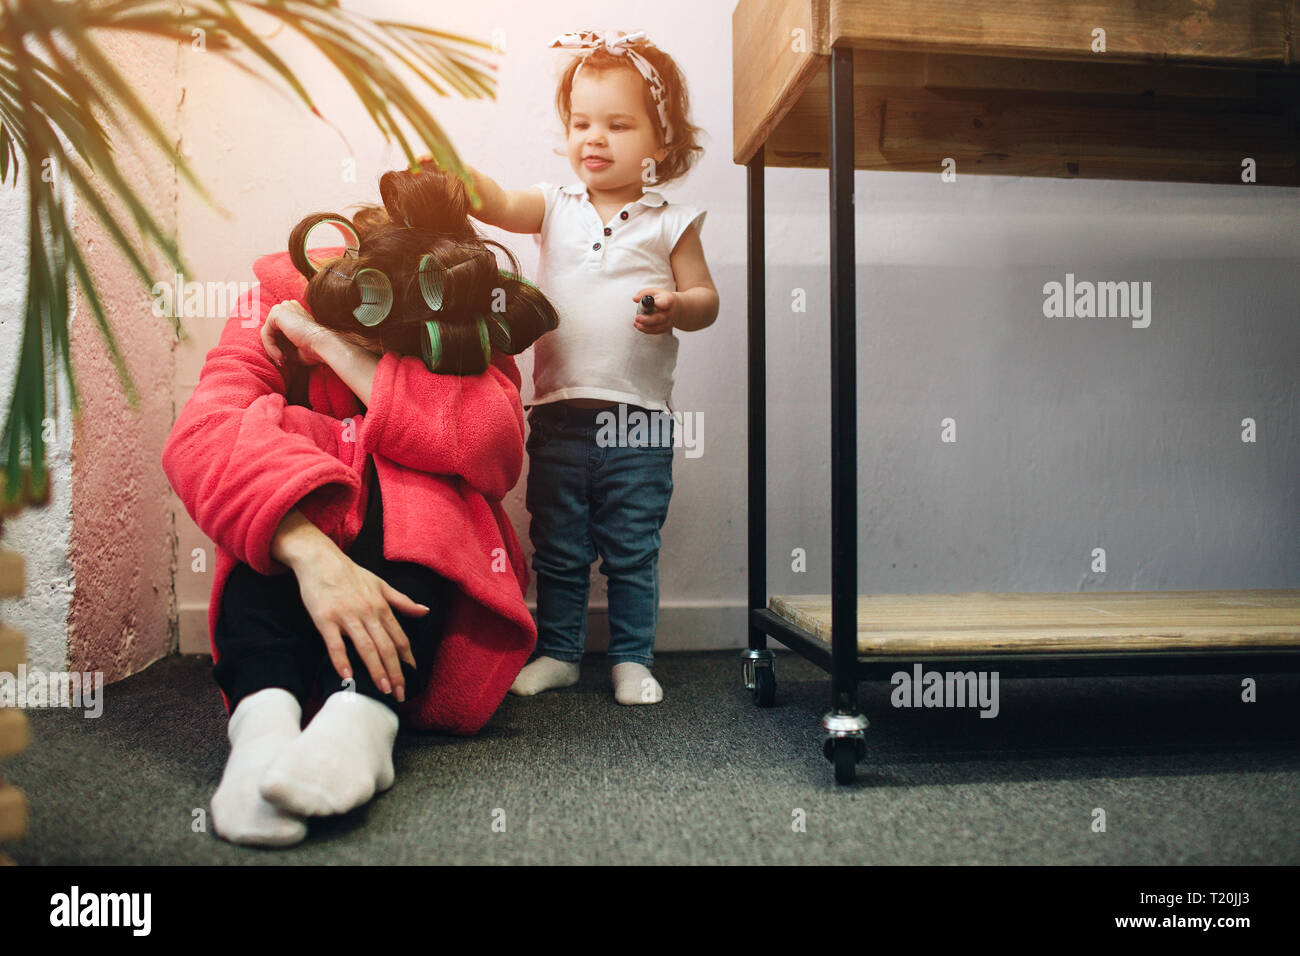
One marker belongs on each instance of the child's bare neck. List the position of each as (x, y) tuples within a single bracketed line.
[(614, 198)]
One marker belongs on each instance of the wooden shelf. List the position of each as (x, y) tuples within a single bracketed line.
[(984, 623), (1016, 90)]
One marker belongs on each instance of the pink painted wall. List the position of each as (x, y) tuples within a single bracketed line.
[(120, 618)]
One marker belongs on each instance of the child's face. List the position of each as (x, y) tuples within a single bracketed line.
[(608, 119)]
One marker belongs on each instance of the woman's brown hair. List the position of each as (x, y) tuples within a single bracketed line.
[(418, 279), (683, 151)]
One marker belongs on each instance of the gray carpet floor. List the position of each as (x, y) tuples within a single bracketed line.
[(1185, 772)]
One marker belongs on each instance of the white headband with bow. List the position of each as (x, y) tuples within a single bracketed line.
[(620, 44)]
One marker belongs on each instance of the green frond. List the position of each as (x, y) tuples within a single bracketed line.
[(57, 86)]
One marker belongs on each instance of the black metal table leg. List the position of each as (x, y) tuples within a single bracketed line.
[(758, 670), (844, 725)]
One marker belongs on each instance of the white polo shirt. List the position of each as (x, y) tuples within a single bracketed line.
[(590, 270)]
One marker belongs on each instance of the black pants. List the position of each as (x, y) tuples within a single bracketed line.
[(265, 637)]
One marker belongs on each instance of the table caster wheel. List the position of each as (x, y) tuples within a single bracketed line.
[(845, 757), (846, 761), (759, 669), (764, 686), (846, 744)]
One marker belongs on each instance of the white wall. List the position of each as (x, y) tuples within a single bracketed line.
[(1072, 434), (39, 534)]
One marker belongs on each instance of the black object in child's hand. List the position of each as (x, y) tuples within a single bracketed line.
[(647, 304)]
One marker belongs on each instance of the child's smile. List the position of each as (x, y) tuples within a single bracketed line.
[(611, 136)]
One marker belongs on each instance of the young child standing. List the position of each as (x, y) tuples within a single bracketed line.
[(624, 269)]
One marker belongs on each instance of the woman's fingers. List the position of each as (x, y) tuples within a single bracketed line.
[(348, 601), (403, 603), (365, 647), (382, 621), (338, 652), (388, 653), (268, 336), (395, 633)]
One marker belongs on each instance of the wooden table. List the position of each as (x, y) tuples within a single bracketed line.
[(1180, 91)]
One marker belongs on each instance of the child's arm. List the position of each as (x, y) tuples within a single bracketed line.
[(694, 305), (514, 210), (695, 290)]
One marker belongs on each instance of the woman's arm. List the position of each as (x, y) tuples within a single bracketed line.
[(236, 464), (344, 598), (471, 426), (261, 478), (351, 362), (297, 541)]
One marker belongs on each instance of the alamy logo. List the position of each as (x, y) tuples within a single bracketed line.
[(658, 429), (946, 689), (201, 300), (35, 688), (102, 909), (1103, 300)]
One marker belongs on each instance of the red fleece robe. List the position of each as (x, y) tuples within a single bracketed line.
[(447, 449)]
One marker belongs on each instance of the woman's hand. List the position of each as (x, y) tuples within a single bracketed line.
[(663, 318), (344, 598), (316, 345), (295, 324)]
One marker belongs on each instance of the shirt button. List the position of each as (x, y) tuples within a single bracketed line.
[(622, 215), (608, 230), (596, 245)]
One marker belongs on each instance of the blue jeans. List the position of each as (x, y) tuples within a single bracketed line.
[(588, 495)]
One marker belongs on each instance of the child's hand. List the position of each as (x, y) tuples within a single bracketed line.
[(294, 323), (664, 316)]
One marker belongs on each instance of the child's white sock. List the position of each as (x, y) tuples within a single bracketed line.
[(262, 725), (544, 674), (634, 684), (343, 757)]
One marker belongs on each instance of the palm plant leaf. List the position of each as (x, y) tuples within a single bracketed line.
[(58, 87)]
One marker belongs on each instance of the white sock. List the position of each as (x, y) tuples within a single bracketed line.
[(544, 674), (262, 725), (339, 762), (634, 684)]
